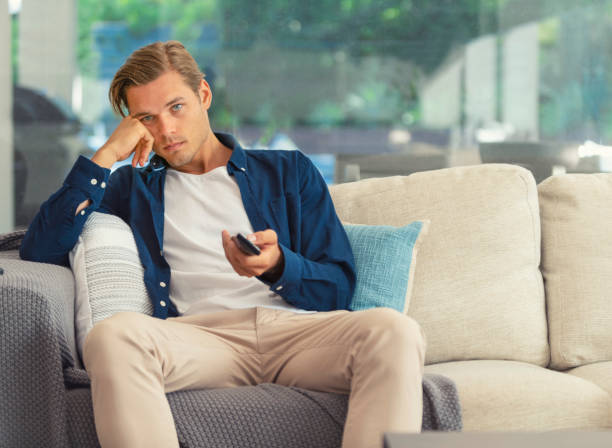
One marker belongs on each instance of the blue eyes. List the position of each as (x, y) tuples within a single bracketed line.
[(175, 108)]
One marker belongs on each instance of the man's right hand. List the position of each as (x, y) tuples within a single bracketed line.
[(131, 136)]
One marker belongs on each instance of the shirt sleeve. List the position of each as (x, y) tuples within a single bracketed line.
[(319, 274), (55, 229)]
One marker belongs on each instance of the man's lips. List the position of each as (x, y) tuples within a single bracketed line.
[(173, 146)]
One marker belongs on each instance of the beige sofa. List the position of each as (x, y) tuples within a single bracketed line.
[(513, 288)]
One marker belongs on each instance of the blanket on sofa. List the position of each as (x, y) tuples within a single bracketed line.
[(46, 400)]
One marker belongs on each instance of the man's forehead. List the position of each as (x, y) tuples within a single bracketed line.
[(156, 94)]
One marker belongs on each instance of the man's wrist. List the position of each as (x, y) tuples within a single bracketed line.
[(273, 274), (104, 158)]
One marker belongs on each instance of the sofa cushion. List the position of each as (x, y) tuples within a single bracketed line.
[(478, 291), (385, 260), (599, 373), (576, 212), (514, 396), (108, 274)]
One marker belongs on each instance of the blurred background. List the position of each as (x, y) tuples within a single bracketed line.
[(363, 87)]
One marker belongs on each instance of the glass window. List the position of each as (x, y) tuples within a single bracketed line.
[(364, 87)]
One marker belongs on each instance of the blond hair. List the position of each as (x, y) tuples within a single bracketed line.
[(147, 64)]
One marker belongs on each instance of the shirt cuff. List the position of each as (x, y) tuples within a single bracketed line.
[(292, 273), (90, 178)]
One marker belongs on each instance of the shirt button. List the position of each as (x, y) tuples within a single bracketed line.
[(162, 284), (94, 181), (82, 212), (162, 303), (278, 288), (243, 169), (103, 184)]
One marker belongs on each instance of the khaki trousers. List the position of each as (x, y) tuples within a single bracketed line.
[(375, 356)]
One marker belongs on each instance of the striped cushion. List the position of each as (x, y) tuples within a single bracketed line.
[(108, 274)]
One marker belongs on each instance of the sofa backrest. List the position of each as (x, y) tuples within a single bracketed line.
[(576, 213), (478, 292)]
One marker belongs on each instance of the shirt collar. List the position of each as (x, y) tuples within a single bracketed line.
[(238, 159)]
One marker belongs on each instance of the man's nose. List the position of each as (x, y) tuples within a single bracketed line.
[(166, 125)]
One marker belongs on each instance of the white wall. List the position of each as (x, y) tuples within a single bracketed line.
[(480, 81), (521, 80), (441, 95), (6, 128), (47, 46)]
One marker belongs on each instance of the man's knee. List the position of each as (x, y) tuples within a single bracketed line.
[(107, 337), (393, 329)]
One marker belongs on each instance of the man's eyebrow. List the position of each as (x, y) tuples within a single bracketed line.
[(169, 103)]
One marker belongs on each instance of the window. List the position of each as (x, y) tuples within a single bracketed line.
[(364, 87)]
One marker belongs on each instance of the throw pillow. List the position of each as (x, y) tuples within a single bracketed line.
[(108, 273), (385, 262)]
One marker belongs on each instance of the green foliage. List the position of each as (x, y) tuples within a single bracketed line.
[(364, 25), (575, 61), (575, 68), (326, 114), (422, 31), (141, 16)]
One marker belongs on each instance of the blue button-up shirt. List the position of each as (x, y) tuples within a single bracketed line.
[(281, 190)]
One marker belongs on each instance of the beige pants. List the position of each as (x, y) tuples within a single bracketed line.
[(133, 360)]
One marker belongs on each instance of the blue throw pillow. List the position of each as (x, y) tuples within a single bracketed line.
[(385, 262)]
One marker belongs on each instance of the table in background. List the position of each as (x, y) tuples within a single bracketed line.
[(552, 439)]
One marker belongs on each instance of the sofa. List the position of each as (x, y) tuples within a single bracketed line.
[(511, 287)]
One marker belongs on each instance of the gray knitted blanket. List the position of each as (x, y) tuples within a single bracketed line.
[(46, 401)]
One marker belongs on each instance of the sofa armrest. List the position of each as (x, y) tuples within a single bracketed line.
[(36, 344), (26, 284)]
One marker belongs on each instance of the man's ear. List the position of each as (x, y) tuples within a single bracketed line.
[(205, 94)]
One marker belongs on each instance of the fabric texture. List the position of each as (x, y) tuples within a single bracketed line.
[(280, 190), (267, 415), (385, 260), (576, 212), (202, 279), (515, 396), (376, 356), (599, 373), (107, 272), (478, 292), (11, 241), (34, 347)]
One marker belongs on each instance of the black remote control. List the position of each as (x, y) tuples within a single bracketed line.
[(245, 245)]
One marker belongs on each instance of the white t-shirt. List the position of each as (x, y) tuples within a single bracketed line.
[(197, 208)]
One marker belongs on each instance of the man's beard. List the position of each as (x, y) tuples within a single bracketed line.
[(180, 158)]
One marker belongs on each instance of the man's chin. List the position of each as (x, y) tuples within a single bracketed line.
[(177, 160)]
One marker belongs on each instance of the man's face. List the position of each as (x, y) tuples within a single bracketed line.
[(176, 117)]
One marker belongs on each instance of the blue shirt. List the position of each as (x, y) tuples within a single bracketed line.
[(281, 190)]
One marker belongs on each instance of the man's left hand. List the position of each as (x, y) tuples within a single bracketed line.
[(268, 263)]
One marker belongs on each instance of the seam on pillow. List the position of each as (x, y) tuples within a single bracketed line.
[(425, 224), (559, 293), (82, 272), (537, 250), (556, 344)]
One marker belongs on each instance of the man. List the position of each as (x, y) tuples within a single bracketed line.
[(222, 318)]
